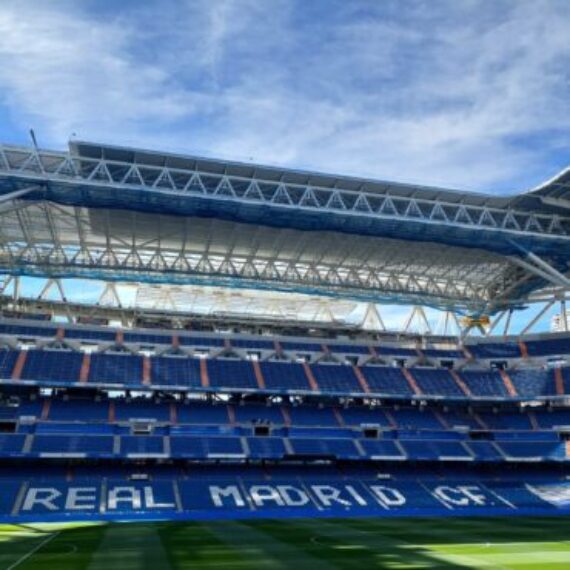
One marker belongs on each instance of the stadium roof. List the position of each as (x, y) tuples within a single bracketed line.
[(123, 214)]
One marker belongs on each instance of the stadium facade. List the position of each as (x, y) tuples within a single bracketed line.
[(265, 412)]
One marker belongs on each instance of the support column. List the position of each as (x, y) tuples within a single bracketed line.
[(85, 365), (411, 381), (391, 419), (480, 421), (19, 365), (286, 416), (173, 413), (231, 414), (111, 412), (523, 348), (310, 377), (45, 410), (459, 381), (278, 348), (204, 378), (441, 418), (467, 353), (146, 371), (339, 418), (559, 382), (361, 379), (258, 375), (419, 352), (508, 383)]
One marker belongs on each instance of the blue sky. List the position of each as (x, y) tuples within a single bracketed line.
[(471, 94), (468, 94)]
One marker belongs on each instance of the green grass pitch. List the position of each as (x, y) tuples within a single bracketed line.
[(502, 543)]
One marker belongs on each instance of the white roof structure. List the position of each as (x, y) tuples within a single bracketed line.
[(125, 215)]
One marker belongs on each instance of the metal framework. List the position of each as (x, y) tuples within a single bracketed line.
[(126, 215)]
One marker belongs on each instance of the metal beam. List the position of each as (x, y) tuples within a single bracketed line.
[(17, 194)]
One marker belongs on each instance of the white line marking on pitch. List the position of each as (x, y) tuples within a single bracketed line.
[(33, 551)]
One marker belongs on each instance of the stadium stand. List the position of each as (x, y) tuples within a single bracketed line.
[(218, 413)]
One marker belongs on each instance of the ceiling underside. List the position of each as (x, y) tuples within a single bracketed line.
[(49, 239)]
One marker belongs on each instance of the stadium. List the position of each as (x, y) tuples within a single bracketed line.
[(233, 393)]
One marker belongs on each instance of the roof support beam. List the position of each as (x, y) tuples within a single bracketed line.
[(537, 317), (17, 194), (549, 269)]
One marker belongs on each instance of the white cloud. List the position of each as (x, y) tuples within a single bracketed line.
[(470, 94)]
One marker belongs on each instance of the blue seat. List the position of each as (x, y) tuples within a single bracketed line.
[(88, 445), (7, 361), (175, 371), (284, 376), (231, 374), (381, 449), (123, 369), (206, 447), (434, 450), (141, 444), (52, 365), (436, 382), (266, 447), (337, 378), (75, 410), (484, 382), (533, 382), (386, 380), (340, 448), (312, 416), (249, 413)]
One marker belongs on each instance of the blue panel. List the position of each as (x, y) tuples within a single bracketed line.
[(548, 347), (87, 444), (252, 343), (380, 448), (204, 342), (311, 416), (413, 418), (141, 410), (340, 448), (434, 450), (356, 416), (348, 348), (301, 346), (203, 414), (494, 350)]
